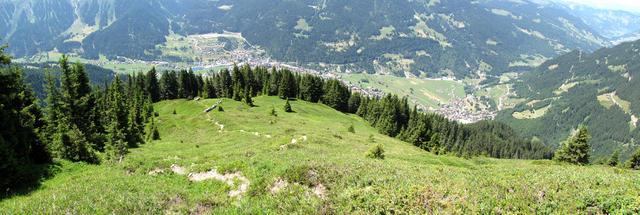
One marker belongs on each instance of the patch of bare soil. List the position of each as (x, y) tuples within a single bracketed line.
[(227, 178)]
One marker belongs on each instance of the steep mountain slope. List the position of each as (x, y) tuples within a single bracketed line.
[(599, 90), (245, 161), (611, 24), (426, 38)]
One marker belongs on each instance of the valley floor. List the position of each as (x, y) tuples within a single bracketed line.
[(244, 160)]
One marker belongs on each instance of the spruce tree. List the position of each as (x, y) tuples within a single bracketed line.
[(576, 150), (614, 159), (287, 107), (168, 86), (21, 136), (238, 78), (118, 122), (353, 103), (226, 84), (152, 86), (247, 95), (237, 94), (634, 160)]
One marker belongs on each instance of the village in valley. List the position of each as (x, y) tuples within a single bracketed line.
[(210, 53)]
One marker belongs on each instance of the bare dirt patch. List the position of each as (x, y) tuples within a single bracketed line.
[(178, 169), (278, 186), (320, 191), (227, 178), (156, 171)]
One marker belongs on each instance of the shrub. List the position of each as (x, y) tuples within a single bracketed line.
[(351, 129), (220, 109), (174, 111), (371, 138), (377, 152), (273, 111)]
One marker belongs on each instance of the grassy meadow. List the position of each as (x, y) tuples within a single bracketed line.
[(430, 93), (307, 162)]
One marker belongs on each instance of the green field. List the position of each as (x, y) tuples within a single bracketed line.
[(429, 93), (324, 172)]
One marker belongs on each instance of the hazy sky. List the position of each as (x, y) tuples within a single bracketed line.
[(629, 5)]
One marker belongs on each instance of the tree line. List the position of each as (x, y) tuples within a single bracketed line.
[(391, 115)]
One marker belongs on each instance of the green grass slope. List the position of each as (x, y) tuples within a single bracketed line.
[(326, 172)]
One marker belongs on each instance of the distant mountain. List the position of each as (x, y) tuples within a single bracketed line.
[(424, 37), (599, 90), (612, 24)]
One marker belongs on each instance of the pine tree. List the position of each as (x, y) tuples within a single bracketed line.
[(238, 78), (209, 89), (152, 86), (287, 85), (353, 102), (247, 95), (576, 150), (287, 107), (22, 141), (155, 135), (118, 122), (634, 160), (614, 159), (237, 94), (227, 85), (168, 86)]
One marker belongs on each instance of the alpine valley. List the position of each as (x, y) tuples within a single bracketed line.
[(319, 107)]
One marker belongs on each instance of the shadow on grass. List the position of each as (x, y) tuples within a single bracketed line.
[(30, 180)]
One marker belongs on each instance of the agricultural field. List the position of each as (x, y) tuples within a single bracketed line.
[(430, 93), (246, 161)]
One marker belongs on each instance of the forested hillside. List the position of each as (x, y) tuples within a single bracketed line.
[(35, 76), (426, 38), (599, 90)]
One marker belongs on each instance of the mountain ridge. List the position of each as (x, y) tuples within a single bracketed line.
[(426, 38)]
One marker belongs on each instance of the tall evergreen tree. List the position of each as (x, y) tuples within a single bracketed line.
[(353, 103), (21, 127), (118, 121), (151, 85), (287, 85), (576, 150), (209, 89), (169, 86), (237, 94), (227, 83), (247, 95)]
